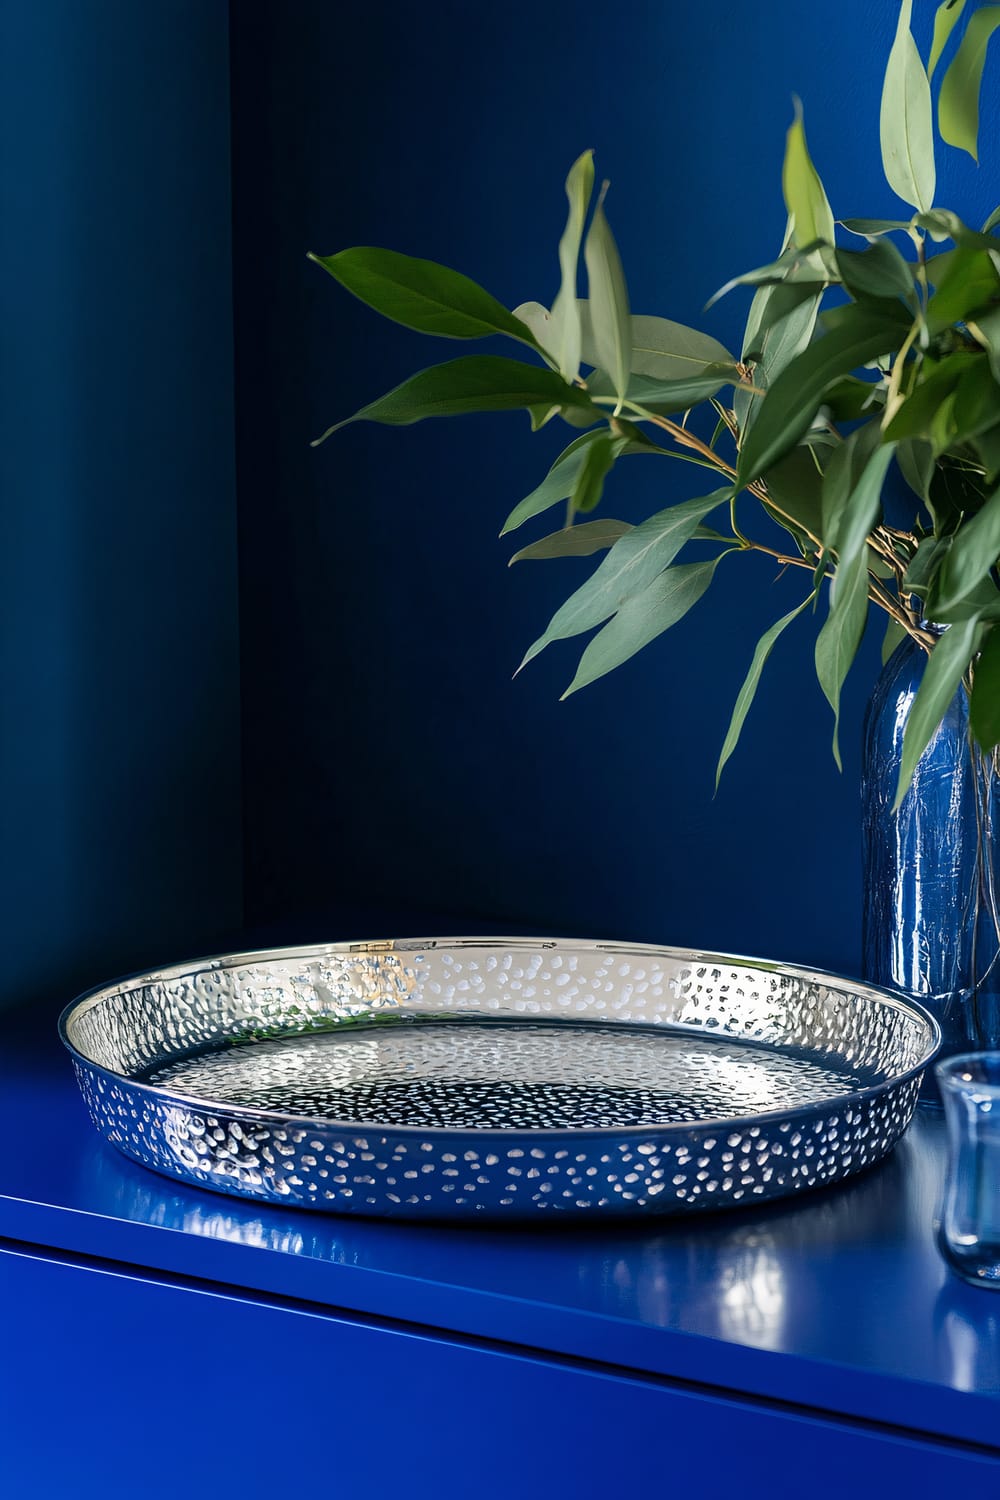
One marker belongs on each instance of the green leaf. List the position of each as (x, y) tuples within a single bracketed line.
[(662, 349), (792, 401), (972, 556), (916, 462), (816, 263), (421, 295), (852, 487), (575, 541), (905, 123), (598, 457), (945, 17), (795, 487), (984, 705), (780, 326), (538, 321), (838, 641), (985, 329), (894, 633), (805, 198), (991, 222), (924, 564), (969, 286), (748, 691), (558, 484), (631, 565), (850, 398), (915, 416), (941, 224), (642, 618), (564, 329), (879, 271), (982, 604), (958, 102), (948, 660), (664, 397), (872, 228), (609, 310), (987, 445), (477, 383), (977, 400)]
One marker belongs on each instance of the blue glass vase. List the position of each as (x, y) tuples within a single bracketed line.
[(930, 923)]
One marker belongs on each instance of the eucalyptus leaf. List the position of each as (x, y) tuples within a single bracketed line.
[(421, 294), (838, 641), (558, 484), (850, 398), (924, 564), (582, 540), (984, 704), (863, 508), (850, 491), (873, 228), (748, 691), (945, 17), (661, 348), (792, 401), (971, 558), (977, 400), (915, 416), (780, 326), (905, 122), (987, 445), (642, 618), (879, 271), (609, 310), (564, 329), (805, 198), (952, 653), (597, 460), (941, 224), (958, 102), (794, 266), (985, 329), (665, 350), (664, 397), (795, 485), (541, 415), (538, 321), (970, 285), (476, 383), (916, 462), (631, 565), (981, 603)]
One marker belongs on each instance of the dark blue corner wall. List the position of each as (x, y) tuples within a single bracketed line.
[(388, 755), (119, 673)]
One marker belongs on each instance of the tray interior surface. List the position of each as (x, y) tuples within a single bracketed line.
[(510, 1074)]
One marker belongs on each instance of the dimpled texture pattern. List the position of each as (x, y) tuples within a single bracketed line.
[(498, 1078)]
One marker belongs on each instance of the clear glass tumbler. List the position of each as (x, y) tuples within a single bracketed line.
[(969, 1233)]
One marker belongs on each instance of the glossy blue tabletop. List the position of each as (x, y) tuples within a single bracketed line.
[(837, 1300)]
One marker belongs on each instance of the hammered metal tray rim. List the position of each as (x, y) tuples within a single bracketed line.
[(373, 947)]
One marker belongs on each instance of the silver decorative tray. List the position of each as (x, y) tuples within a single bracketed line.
[(474, 1078)]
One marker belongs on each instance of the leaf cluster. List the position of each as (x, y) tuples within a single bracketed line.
[(873, 352)]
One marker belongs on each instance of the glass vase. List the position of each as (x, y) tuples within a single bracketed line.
[(930, 916)]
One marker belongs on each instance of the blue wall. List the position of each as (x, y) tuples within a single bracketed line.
[(119, 687), (388, 755)]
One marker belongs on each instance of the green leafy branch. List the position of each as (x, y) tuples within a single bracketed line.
[(825, 401)]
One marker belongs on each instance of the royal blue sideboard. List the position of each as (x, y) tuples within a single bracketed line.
[(160, 1341)]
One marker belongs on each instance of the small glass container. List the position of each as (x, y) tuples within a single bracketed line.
[(969, 1231)]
